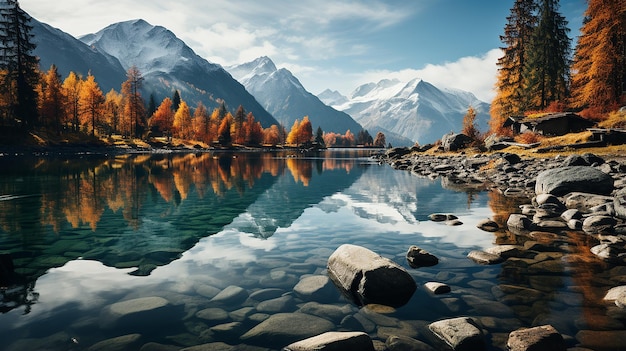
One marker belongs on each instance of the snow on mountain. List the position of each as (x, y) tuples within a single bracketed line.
[(416, 109), (168, 64), (286, 99), (332, 97)]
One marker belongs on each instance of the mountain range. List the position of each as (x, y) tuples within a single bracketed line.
[(405, 112), (416, 109)]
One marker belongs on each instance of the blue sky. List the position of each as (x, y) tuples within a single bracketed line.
[(326, 44)]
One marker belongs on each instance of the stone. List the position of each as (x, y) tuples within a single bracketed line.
[(145, 311), (517, 222), (614, 293), (610, 253), (266, 294), (366, 277), (563, 180), (418, 257), (285, 328), (437, 288), (438, 217), (405, 343), (331, 312), (213, 315), (602, 340), (539, 338), (488, 225), (331, 341), (231, 295), (455, 141), (619, 203), (280, 304), (570, 214), (543, 199), (462, 334), (599, 224), (483, 257), (315, 287), (585, 201), (153, 346), (505, 251), (120, 343)]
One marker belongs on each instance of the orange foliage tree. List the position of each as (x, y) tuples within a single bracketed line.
[(51, 98), (72, 86), (182, 121), (301, 132), (162, 121), (91, 102)]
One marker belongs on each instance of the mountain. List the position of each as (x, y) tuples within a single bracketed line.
[(332, 97), (286, 99), (70, 54), (168, 64), (416, 110)]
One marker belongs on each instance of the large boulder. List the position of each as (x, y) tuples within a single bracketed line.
[(346, 341), (563, 180), (285, 328), (539, 338), (461, 334), (455, 141), (366, 277)]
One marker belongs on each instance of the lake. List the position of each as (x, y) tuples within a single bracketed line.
[(216, 242)]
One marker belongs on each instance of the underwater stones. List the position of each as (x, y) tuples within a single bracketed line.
[(314, 287), (286, 328), (231, 295), (367, 277), (602, 339), (483, 257), (543, 337), (348, 341), (563, 180), (418, 257), (437, 288), (461, 334), (143, 310), (405, 343), (125, 342)]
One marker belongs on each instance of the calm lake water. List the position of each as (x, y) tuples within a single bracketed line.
[(80, 236)]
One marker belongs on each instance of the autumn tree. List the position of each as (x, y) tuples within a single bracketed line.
[(364, 138), (301, 132), (162, 121), (239, 132), (469, 125), (201, 123), (253, 131), (380, 140), (271, 135), (72, 86), (112, 111), (223, 133), (182, 121), (19, 65), (51, 99), (91, 102), (599, 67), (546, 69), (509, 86), (133, 114)]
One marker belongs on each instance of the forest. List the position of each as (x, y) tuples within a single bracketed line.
[(538, 73)]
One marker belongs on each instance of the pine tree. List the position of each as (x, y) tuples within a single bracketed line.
[(176, 100), (599, 68), (19, 64), (517, 33), (546, 70), (319, 137)]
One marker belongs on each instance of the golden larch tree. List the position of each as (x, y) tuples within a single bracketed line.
[(91, 103), (72, 86), (162, 121), (51, 105), (182, 121)]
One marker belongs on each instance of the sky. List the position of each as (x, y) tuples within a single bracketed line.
[(337, 45)]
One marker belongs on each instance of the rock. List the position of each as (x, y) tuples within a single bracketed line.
[(285, 328), (544, 337), (418, 257), (438, 217), (231, 295), (614, 293), (462, 334), (563, 180), (455, 141), (505, 251), (483, 257), (488, 225), (511, 158), (619, 203), (405, 343), (212, 315), (279, 304), (545, 199), (367, 277), (315, 287), (331, 341), (153, 346), (141, 312), (602, 340), (518, 222), (575, 160), (330, 312), (599, 224), (610, 253), (120, 343), (570, 214), (585, 201), (397, 152), (267, 294), (437, 288)]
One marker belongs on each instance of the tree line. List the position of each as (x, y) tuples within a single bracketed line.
[(538, 73), (32, 99)]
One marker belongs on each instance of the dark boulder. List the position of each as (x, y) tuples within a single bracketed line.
[(563, 180)]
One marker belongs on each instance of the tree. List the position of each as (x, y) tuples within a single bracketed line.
[(469, 125), (202, 123), (301, 132), (599, 67), (72, 86), (509, 86), (380, 140), (319, 137), (223, 133), (133, 103), (51, 99), (20, 66), (253, 131), (176, 100), (364, 138), (240, 117), (182, 121), (271, 135), (91, 103), (151, 106), (546, 70), (162, 121), (112, 110)]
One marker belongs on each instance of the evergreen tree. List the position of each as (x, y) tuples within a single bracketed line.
[(19, 64), (599, 68), (319, 137), (151, 106), (240, 117), (546, 70), (175, 101), (517, 33)]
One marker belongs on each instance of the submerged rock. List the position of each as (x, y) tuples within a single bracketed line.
[(348, 341), (462, 334), (418, 257), (544, 337), (286, 328)]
